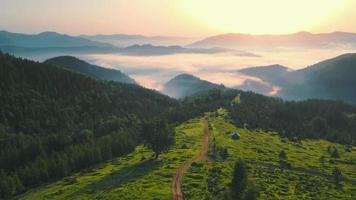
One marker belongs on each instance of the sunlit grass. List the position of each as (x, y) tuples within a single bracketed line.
[(128, 177), (273, 182)]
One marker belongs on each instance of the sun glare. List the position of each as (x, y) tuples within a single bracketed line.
[(262, 16)]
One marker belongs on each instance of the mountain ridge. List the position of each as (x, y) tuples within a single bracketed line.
[(46, 39), (299, 39), (125, 40), (333, 78), (81, 66)]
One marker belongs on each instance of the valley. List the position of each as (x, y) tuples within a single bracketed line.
[(177, 99)]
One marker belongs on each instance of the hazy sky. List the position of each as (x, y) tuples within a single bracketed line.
[(177, 17)]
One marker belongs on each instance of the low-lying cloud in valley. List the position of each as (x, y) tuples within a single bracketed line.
[(154, 71)]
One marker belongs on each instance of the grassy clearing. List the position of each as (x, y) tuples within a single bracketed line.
[(209, 180), (128, 177)]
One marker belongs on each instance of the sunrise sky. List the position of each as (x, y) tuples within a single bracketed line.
[(177, 17)]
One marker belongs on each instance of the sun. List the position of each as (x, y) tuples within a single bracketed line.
[(262, 16)]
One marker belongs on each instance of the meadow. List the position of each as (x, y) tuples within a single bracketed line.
[(309, 175), (134, 176)]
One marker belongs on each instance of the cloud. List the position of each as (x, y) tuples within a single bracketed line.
[(154, 71)]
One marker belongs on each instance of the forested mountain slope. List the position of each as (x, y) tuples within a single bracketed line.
[(330, 79), (334, 79), (184, 85), (54, 121), (81, 66)]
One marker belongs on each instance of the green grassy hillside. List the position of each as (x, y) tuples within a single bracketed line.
[(307, 178), (135, 176), (129, 177)]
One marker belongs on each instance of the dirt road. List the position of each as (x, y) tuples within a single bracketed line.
[(177, 179)]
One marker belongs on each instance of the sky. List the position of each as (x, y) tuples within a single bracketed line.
[(177, 17)]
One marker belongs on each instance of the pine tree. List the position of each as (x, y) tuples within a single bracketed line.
[(239, 180)]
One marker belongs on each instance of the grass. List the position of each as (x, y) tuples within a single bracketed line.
[(260, 150), (128, 177)]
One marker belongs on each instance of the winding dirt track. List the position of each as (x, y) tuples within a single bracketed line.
[(177, 179)]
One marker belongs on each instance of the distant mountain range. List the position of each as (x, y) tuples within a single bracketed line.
[(52, 43), (186, 85), (46, 39), (330, 79), (95, 71), (134, 50), (295, 40), (151, 50), (124, 40)]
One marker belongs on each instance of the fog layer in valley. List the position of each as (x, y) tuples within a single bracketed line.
[(154, 71)]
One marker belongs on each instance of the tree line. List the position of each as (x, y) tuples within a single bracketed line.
[(313, 119)]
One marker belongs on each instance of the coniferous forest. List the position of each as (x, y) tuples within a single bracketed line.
[(54, 121)]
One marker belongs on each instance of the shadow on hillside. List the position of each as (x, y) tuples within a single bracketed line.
[(121, 177)]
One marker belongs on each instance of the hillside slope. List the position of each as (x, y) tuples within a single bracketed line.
[(54, 122), (134, 177), (273, 73), (305, 173), (83, 67), (330, 79), (186, 85), (130, 177)]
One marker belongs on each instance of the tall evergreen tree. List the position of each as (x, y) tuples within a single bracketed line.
[(239, 180)]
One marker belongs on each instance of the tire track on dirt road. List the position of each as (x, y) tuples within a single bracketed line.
[(177, 179)]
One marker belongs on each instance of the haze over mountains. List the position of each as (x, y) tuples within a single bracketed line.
[(269, 42), (334, 78), (46, 39), (151, 50), (330, 79), (52, 43), (276, 80), (229, 40), (124, 40)]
